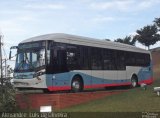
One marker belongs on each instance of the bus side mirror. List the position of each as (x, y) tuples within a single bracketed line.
[(10, 53)]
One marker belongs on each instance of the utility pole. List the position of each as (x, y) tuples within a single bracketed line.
[(1, 67), (5, 68)]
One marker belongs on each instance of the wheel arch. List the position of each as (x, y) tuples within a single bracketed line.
[(135, 75), (81, 78)]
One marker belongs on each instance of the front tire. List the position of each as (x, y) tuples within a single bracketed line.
[(77, 84)]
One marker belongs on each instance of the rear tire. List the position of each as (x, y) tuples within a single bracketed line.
[(134, 82), (77, 84), (46, 91)]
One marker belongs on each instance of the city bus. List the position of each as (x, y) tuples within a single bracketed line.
[(56, 62)]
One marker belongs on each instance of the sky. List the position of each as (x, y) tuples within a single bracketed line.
[(101, 19)]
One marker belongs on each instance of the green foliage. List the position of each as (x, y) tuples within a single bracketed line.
[(147, 35), (7, 97), (157, 22), (127, 40), (107, 39)]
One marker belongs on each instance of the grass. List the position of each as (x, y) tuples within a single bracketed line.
[(134, 100)]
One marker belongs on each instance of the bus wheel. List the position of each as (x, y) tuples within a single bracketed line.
[(134, 81), (77, 84), (46, 91)]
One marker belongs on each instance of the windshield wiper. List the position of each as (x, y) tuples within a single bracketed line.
[(20, 65), (29, 63), (23, 62)]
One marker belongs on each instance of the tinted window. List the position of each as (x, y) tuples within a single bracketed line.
[(142, 59), (96, 58), (121, 64), (109, 59), (84, 58), (147, 59), (64, 57), (137, 59), (57, 58), (130, 59), (73, 57)]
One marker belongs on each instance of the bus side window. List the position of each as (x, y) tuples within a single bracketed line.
[(121, 64), (142, 59), (130, 59), (84, 58), (147, 59), (96, 59), (72, 56), (109, 59), (61, 57)]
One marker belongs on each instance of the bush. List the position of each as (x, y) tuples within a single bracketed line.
[(7, 96)]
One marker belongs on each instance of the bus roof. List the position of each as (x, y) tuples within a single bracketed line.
[(80, 40)]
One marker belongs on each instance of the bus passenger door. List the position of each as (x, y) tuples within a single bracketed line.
[(59, 65)]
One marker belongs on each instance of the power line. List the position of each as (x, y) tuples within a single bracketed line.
[(3, 46), (3, 59), (4, 52)]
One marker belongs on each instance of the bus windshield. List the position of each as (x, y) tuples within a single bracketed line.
[(30, 59)]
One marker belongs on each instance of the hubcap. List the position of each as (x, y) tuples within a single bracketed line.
[(76, 85), (134, 83)]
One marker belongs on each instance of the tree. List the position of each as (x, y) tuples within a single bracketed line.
[(147, 35), (7, 94), (127, 40), (107, 39), (7, 97), (119, 40), (157, 23)]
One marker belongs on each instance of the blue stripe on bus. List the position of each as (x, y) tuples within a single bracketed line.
[(64, 79)]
